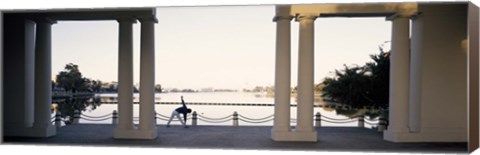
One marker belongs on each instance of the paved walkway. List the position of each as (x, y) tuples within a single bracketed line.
[(243, 137)]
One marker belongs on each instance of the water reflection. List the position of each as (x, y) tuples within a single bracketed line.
[(348, 113), (351, 113), (68, 106), (230, 101)]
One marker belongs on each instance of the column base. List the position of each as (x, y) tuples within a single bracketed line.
[(36, 132), (279, 135), (427, 135), (294, 136), (135, 134)]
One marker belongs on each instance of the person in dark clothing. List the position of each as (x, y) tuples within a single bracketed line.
[(180, 110)]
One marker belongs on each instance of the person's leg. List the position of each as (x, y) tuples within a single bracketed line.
[(171, 117), (180, 118), (184, 122)]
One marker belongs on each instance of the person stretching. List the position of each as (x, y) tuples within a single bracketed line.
[(180, 110)]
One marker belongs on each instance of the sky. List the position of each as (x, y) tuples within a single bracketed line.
[(224, 47)]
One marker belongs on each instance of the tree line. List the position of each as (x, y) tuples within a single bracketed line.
[(72, 80)]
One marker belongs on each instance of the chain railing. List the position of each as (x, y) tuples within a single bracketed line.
[(96, 118), (215, 121), (255, 120), (57, 120), (379, 122)]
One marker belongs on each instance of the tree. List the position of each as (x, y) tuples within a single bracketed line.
[(71, 79), (68, 106), (158, 88), (380, 70), (53, 84), (350, 86), (96, 85), (112, 87), (359, 86)]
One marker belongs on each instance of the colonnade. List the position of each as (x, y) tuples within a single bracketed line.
[(125, 128), (28, 73), (304, 130), (30, 111), (428, 101), (427, 71)]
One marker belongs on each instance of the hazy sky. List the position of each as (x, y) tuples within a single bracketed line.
[(222, 47)]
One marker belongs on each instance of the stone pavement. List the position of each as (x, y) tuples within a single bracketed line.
[(350, 139)]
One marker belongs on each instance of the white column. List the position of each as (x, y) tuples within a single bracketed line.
[(416, 65), (281, 122), (399, 79), (43, 72), (147, 78), (125, 76), (28, 109), (305, 74)]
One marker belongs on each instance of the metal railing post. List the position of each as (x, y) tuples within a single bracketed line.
[(382, 123), (76, 117), (194, 118), (235, 118), (114, 117), (58, 119), (318, 120), (361, 121)]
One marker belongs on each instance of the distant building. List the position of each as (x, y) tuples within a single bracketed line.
[(206, 89)]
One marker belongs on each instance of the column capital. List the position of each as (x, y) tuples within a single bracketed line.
[(277, 18), (44, 20), (300, 18), (126, 19), (401, 15), (148, 19)]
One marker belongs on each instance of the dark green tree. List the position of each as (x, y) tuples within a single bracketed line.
[(96, 85), (380, 70), (112, 88), (68, 106), (351, 86), (360, 86), (71, 79), (158, 88), (53, 84)]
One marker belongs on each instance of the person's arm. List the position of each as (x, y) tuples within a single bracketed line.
[(185, 110), (184, 105)]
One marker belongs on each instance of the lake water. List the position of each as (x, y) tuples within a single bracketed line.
[(237, 101)]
